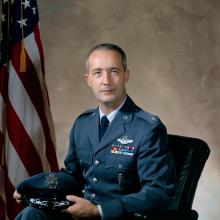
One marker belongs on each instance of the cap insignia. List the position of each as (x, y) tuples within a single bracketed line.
[(51, 181)]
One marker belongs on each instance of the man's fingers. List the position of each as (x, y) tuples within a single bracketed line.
[(73, 198), (16, 195)]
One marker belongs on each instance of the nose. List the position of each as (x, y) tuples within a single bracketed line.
[(106, 78)]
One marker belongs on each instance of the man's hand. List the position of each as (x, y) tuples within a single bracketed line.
[(17, 197), (82, 208)]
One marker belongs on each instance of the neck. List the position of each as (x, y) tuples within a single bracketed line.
[(109, 107)]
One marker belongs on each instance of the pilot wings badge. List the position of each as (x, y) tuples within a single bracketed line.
[(124, 140)]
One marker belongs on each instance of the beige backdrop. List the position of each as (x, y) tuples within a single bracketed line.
[(173, 50)]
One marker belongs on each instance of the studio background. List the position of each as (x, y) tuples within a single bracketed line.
[(173, 50)]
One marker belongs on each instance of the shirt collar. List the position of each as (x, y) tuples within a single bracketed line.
[(111, 115)]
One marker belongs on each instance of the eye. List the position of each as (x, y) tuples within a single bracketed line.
[(114, 72), (97, 73)]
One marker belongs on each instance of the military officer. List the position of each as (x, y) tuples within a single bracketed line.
[(118, 152)]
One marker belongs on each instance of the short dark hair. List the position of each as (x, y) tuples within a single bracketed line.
[(109, 46)]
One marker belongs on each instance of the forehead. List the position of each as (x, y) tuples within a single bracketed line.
[(103, 58)]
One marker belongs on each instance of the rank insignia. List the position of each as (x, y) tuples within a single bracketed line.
[(124, 140), (125, 117), (51, 181)]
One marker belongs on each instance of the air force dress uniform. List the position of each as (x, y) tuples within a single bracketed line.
[(130, 170)]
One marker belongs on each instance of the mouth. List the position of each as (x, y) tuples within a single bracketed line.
[(106, 91)]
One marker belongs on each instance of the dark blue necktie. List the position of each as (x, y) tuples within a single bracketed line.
[(103, 126)]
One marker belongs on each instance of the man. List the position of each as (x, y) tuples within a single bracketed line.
[(127, 169)]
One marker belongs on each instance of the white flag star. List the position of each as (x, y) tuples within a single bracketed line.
[(34, 10), (5, 1), (26, 4), (22, 22)]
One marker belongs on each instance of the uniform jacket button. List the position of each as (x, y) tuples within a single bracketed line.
[(93, 196), (94, 180), (97, 162), (120, 166)]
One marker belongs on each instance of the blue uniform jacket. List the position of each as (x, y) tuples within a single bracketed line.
[(130, 170)]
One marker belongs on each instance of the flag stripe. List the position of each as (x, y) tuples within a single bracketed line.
[(22, 142), (31, 81), (35, 52), (37, 99), (15, 161), (17, 93), (32, 50), (44, 87), (39, 45)]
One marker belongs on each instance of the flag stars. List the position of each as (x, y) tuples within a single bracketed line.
[(26, 4), (22, 22), (34, 10), (5, 1)]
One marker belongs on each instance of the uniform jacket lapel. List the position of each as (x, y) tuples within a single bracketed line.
[(93, 128)]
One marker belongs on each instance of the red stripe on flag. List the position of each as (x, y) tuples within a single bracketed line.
[(31, 83), (22, 142)]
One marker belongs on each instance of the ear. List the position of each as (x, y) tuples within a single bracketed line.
[(127, 75), (86, 77)]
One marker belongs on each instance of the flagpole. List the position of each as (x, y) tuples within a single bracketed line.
[(4, 153)]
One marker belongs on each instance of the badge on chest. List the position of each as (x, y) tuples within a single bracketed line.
[(123, 147)]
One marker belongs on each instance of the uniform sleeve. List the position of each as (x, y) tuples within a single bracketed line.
[(156, 173), (72, 165)]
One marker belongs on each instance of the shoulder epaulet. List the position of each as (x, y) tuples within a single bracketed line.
[(150, 118), (88, 112)]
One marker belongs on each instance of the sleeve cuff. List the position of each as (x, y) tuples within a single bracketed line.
[(100, 211)]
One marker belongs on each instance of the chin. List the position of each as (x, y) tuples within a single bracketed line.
[(107, 99)]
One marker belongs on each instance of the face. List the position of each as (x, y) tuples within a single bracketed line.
[(107, 77)]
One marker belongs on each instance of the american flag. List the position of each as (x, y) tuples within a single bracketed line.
[(27, 139)]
